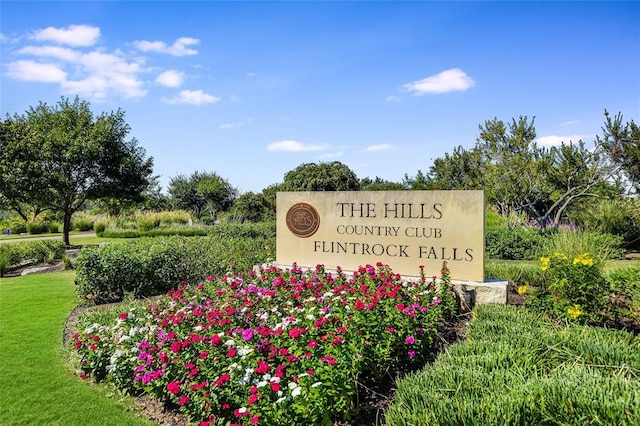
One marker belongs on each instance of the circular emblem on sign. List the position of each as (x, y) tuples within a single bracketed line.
[(303, 220)]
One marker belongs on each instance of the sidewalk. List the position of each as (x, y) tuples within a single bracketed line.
[(51, 237)]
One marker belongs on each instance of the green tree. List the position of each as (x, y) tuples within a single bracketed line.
[(621, 142), (217, 193), (461, 169), (201, 191), (59, 157), (379, 184), (333, 176), (252, 207), (419, 182)]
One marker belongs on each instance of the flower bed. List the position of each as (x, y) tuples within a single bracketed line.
[(268, 347)]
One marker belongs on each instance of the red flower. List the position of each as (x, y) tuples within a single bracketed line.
[(232, 352), (275, 387), (263, 367), (176, 346), (96, 338), (183, 400), (123, 316), (254, 420), (173, 387)]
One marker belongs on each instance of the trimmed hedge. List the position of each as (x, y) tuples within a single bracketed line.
[(512, 244), (153, 232), (13, 255), (152, 266)]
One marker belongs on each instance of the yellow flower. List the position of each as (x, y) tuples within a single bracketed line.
[(522, 289), (583, 259), (545, 263), (574, 311)]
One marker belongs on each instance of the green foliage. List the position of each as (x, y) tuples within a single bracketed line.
[(151, 266), (512, 244), (60, 157), (333, 176), (576, 290), (575, 243), (82, 222), (251, 207), (515, 368), (54, 227), (379, 184), (622, 143), (37, 227), (493, 219), (15, 254), (520, 274), (613, 216), (185, 231), (201, 191), (625, 287)]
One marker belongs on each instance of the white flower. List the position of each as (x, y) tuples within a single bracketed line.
[(296, 392), (316, 384)]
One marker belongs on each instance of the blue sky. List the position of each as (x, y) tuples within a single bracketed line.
[(251, 90)]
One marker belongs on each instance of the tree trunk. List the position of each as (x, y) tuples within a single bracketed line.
[(66, 227)]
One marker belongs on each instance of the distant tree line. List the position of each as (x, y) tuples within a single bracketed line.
[(59, 158)]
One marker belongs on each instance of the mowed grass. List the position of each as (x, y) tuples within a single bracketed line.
[(36, 384)]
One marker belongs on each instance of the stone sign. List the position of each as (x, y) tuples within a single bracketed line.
[(403, 229)]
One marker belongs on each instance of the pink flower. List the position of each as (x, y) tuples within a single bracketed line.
[(123, 316), (183, 400), (263, 367), (410, 340), (275, 387), (231, 352), (411, 354), (247, 334), (173, 387), (254, 420)]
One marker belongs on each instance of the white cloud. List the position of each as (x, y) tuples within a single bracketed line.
[(380, 147), (555, 140), (450, 80), (571, 122), (178, 48), (294, 146), (193, 97), (55, 52), (73, 35), (236, 125), (392, 99), (36, 71), (171, 78)]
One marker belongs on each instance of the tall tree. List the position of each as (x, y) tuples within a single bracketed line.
[(200, 191), (379, 184), (58, 157), (333, 176), (621, 142)]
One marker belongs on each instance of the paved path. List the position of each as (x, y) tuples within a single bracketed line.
[(52, 237)]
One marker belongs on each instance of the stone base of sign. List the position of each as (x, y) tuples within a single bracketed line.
[(469, 292)]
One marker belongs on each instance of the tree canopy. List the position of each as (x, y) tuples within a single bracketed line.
[(58, 157), (201, 191), (333, 176)]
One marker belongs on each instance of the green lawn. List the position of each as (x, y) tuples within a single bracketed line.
[(36, 384)]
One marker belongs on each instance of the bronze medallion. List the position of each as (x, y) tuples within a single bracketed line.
[(303, 220)]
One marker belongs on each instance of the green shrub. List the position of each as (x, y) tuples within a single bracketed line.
[(82, 222), (515, 368), (54, 228), (37, 227), (19, 253), (244, 230), (625, 289), (99, 226), (520, 274), (184, 231), (617, 217), (147, 223), (18, 226), (151, 266), (512, 244), (575, 243)]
